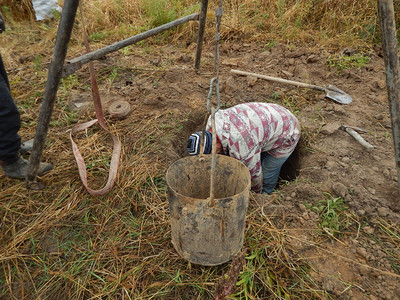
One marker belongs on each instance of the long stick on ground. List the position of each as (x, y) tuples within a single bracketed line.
[(53, 79), (390, 49)]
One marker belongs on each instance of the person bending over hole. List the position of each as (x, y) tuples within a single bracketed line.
[(260, 135)]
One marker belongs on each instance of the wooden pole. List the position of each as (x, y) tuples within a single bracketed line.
[(200, 36), (76, 63), (53, 80), (389, 43)]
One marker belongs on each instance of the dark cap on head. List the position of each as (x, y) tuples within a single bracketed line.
[(194, 143)]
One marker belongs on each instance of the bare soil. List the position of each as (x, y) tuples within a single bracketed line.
[(363, 261)]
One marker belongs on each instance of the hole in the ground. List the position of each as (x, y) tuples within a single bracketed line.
[(290, 169), (194, 123)]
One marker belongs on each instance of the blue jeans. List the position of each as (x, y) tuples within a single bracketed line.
[(271, 168)]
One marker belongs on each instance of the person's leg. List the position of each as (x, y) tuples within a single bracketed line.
[(12, 164), (10, 122), (271, 168)]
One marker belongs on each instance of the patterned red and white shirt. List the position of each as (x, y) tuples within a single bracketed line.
[(246, 130)]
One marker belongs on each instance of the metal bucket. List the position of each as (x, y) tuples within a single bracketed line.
[(207, 234)]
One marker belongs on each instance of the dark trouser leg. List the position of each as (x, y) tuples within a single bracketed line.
[(10, 122), (271, 167)]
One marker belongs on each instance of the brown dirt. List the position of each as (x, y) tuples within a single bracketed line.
[(354, 264), (361, 263)]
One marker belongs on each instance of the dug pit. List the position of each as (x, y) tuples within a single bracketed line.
[(289, 171)]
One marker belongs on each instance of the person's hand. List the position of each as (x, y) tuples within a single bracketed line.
[(2, 25)]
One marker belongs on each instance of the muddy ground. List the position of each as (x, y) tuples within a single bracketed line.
[(363, 260)]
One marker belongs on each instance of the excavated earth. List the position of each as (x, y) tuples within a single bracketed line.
[(363, 261)]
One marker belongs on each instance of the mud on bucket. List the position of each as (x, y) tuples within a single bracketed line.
[(203, 234)]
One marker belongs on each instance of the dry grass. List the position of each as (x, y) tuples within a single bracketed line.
[(332, 23), (61, 243)]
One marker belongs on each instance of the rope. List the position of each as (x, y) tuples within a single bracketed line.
[(218, 15), (212, 110), (100, 118)]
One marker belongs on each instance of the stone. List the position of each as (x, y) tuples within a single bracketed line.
[(368, 230), (383, 211), (360, 212), (251, 81), (330, 128), (339, 189), (362, 252), (364, 270), (302, 207), (330, 164)]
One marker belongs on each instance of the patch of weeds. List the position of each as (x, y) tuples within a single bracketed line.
[(114, 75), (38, 62), (126, 50), (388, 135), (97, 36), (291, 104), (344, 62), (275, 96), (65, 116), (68, 83), (110, 74), (160, 11), (156, 182), (96, 165), (27, 103), (390, 235), (56, 14), (258, 281), (271, 44), (332, 217)]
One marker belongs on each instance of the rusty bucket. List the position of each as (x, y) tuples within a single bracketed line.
[(203, 232)]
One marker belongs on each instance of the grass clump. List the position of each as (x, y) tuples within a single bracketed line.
[(343, 62), (332, 215), (160, 12)]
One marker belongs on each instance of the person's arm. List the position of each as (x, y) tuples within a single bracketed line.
[(253, 162), (254, 165)]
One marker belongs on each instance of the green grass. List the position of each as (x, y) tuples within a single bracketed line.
[(343, 62), (332, 215), (160, 12)]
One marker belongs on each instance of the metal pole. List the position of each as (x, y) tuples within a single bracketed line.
[(389, 43), (76, 63), (200, 36), (53, 80)]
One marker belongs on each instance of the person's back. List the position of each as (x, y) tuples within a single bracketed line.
[(248, 128), (261, 135)]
